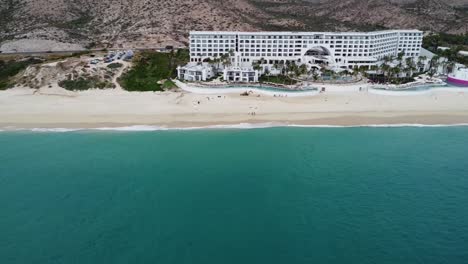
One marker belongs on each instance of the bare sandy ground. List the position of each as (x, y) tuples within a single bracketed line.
[(56, 108), (37, 45)]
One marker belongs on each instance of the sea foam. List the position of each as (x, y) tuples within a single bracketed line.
[(149, 128), (58, 130)]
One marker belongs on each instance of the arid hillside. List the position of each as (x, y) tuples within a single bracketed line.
[(73, 24)]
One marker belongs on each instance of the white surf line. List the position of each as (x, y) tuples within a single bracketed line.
[(382, 125), (144, 128)]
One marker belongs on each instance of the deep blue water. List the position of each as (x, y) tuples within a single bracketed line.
[(279, 195)]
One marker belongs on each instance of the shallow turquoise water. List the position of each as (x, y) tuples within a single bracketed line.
[(423, 87), (279, 195)]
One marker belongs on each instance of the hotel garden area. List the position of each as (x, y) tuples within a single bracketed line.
[(250, 56)]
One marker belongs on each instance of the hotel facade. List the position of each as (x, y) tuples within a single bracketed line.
[(344, 50)]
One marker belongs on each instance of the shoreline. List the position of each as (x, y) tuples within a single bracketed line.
[(363, 120), (49, 108)]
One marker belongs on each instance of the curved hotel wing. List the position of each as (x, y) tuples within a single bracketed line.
[(337, 49)]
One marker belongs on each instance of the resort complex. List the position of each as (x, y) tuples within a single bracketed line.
[(244, 56)]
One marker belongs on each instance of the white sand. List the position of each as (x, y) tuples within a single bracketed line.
[(54, 107)]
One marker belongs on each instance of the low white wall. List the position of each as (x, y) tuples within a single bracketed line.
[(199, 90)]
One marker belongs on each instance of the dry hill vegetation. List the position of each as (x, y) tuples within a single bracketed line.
[(155, 23)]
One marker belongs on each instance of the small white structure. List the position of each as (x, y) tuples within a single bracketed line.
[(443, 48), (463, 53), (195, 72), (128, 55), (459, 76), (240, 74)]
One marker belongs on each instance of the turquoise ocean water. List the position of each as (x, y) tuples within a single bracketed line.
[(277, 195)]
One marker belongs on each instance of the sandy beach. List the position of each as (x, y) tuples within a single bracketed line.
[(23, 108)]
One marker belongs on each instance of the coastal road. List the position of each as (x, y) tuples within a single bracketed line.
[(75, 51)]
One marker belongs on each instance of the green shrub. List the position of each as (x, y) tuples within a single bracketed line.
[(9, 69), (79, 84), (4, 85), (279, 79), (150, 68), (115, 65), (168, 84), (82, 84)]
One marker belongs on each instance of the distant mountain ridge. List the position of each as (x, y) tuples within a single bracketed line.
[(146, 23)]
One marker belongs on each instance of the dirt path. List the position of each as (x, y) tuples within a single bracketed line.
[(119, 73)]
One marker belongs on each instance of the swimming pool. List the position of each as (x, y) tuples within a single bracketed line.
[(418, 89), (266, 88), (233, 88)]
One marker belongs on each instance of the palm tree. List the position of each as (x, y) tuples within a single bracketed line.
[(410, 67), (276, 66), (226, 60), (387, 59), (355, 73), (434, 65), (385, 68), (293, 70), (450, 67), (256, 66), (227, 63), (400, 56), (267, 73), (222, 59), (302, 69), (395, 71), (217, 60), (444, 66), (421, 61), (315, 76), (285, 69)]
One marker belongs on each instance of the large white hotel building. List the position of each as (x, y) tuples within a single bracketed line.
[(337, 49)]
